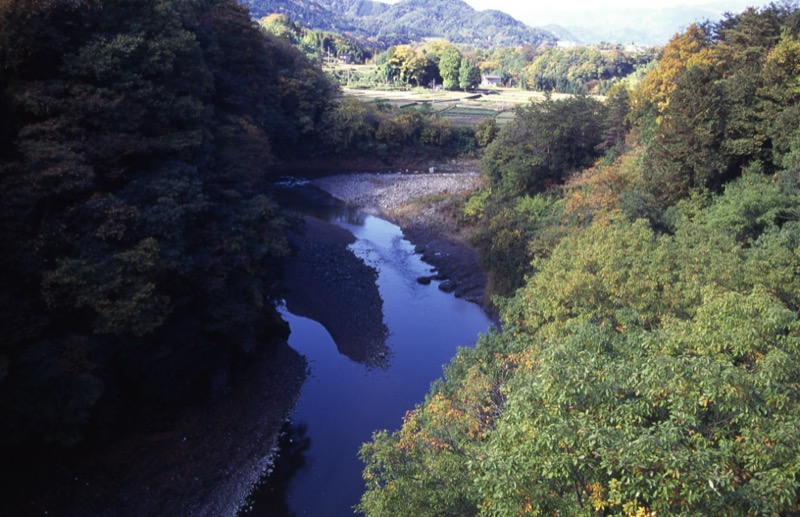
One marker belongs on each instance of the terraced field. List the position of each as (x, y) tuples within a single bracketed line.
[(462, 108)]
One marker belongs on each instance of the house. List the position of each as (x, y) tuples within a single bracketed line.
[(490, 80)]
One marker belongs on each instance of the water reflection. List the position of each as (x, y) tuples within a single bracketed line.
[(344, 401), (349, 215), (326, 282), (302, 197)]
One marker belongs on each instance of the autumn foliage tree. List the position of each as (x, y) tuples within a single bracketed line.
[(526, 164), (648, 360), (635, 374)]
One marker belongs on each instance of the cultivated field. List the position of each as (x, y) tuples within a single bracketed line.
[(462, 108)]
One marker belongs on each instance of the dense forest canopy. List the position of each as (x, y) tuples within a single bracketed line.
[(649, 357), (140, 255), (583, 69)]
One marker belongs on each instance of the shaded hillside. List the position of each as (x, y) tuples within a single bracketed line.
[(307, 12), (140, 257), (408, 20)]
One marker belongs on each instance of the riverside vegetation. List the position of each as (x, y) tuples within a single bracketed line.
[(643, 250), (647, 250)]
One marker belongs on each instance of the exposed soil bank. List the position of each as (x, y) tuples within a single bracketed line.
[(423, 206)]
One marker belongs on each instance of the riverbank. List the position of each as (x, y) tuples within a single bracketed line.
[(199, 460), (426, 207)]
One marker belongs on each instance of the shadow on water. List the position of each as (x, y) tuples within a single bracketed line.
[(334, 318), (294, 444), (326, 282), (302, 197)]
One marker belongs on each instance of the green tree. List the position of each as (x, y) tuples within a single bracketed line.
[(409, 65), (352, 125), (634, 374), (546, 141), (449, 67), (686, 153), (145, 254), (469, 75), (616, 124)]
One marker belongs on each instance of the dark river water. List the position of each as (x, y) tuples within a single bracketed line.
[(318, 472)]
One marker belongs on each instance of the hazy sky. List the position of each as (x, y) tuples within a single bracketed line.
[(563, 12)]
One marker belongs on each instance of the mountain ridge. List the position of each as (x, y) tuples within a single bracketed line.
[(407, 21)]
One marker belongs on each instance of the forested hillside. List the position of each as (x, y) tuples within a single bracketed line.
[(648, 251), (407, 21), (140, 257)]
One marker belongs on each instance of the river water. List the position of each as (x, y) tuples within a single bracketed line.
[(318, 472)]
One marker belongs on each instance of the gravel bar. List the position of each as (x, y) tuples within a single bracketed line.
[(418, 203), (380, 194)]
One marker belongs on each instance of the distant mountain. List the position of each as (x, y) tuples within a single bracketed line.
[(562, 33), (407, 20), (608, 34), (644, 25), (358, 8)]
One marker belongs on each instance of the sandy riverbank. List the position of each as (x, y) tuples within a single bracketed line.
[(423, 205)]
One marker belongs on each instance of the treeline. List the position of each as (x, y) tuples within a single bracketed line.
[(318, 45), (385, 132), (582, 70), (579, 70), (649, 356), (438, 62), (140, 257)]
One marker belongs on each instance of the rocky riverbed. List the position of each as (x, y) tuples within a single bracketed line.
[(349, 305), (425, 206)]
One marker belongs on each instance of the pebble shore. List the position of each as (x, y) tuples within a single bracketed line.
[(381, 194), (417, 203)]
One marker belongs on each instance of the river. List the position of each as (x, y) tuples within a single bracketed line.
[(318, 472)]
